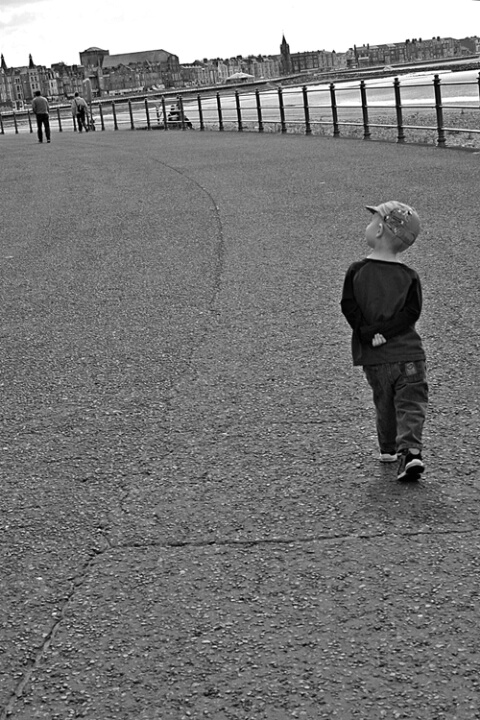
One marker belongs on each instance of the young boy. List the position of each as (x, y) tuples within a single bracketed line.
[(382, 300)]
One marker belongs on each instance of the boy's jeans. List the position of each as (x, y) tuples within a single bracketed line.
[(400, 394)]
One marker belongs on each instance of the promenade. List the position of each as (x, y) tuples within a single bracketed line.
[(193, 520)]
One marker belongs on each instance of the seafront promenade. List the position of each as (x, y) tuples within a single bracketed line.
[(193, 520), (423, 107)]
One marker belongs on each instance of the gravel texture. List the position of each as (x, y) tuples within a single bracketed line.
[(193, 520)]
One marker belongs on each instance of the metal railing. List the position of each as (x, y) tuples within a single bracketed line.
[(339, 109)]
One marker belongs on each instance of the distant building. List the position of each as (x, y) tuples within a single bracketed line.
[(199, 74), (311, 60), (471, 45), (161, 58), (318, 59), (18, 85), (263, 67), (411, 51), (69, 79), (93, 57), (285, 58), (135, 71)]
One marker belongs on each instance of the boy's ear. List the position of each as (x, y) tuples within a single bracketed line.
[(380, 229)]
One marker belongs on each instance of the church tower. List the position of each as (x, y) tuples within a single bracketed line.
[(286, 60)]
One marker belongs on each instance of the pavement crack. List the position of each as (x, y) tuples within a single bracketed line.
[(220, 245), (76, 581), (292, 540)]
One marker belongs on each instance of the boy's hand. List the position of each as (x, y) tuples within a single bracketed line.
[(378, 339)]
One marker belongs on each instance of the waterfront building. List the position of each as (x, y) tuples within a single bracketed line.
[(294, 63), (122, 79), (199, 74), (69, 79), (318, 59), (411, 51), (223, 69), (263, 67), (19, 84), (135, 71), (5, 83), (93, 57), (471, 44), (286, 58)]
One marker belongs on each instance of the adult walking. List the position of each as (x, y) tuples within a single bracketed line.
[(41, 110), (80, 112)]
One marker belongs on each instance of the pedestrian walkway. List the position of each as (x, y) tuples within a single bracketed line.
[(194, 522)]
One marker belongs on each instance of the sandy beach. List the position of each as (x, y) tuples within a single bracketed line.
[(461, 127)]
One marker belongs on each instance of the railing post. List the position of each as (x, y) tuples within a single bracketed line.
[(59, 121), (30, 121), (398, 108), (2, 129), (306, 110), (147, 113), (219, 110), (182, 114), (15, 122), (439, 110), (363, 94), (333, 102), (114, 113), (200, 112), (164, 111), (102, 122), (239, 111), (282, 110), (130, 111), (259, 111), (478, 81)]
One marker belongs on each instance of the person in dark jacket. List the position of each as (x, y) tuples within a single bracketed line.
[(382, 301), (41, 110)]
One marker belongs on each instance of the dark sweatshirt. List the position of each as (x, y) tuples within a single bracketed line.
[(383, 297)]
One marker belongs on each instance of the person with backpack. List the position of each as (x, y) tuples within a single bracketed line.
[(80, 112)]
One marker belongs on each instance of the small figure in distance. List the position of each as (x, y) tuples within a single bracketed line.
[(382, 301), (174, 114), (174, 117), (80, 112), (42, 114)]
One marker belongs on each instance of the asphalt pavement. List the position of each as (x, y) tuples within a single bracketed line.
[(194, 522)]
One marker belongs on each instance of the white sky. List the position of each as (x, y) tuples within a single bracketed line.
[(57, 30)]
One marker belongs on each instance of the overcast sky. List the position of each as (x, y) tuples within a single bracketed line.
[(57, 30)]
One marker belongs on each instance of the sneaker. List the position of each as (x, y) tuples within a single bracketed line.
[(411, 465), (388, 457)]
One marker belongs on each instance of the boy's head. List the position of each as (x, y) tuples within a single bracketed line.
[(400, 220)]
